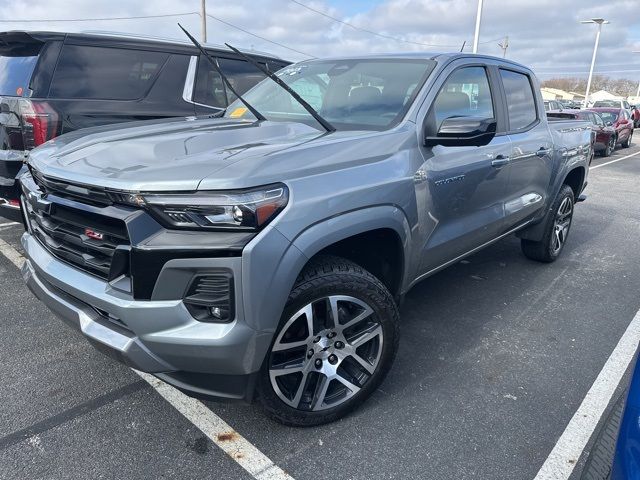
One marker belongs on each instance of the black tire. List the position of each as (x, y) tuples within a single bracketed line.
[(611, 145), (545, 250), (627, 142), (328, 277)]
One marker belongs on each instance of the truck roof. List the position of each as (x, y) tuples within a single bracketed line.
[(425, 56)]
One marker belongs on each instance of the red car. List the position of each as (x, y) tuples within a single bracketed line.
[(603, 135), (620, 119)]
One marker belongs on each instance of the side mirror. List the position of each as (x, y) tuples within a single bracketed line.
[(463, 132), (609, 124)]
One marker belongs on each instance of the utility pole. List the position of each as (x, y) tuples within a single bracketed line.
[(599, 22), (203, 20), (476, 37), (504, 45)]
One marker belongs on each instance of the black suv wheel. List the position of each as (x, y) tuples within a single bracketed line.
[(338, 337)]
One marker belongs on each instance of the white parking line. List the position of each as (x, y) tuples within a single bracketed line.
[(233, 444), (11, 254), (217, 430), (564, 456), (7, 224), (614, 161)]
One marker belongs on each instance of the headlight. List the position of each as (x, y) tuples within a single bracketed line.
[(243, 209)]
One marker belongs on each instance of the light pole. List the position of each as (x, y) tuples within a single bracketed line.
[(638, 92), (476, 37), (203, 20), (599, 22)]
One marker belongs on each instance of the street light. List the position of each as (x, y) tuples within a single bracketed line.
[(476, 37), (600, 22), (638, 92)]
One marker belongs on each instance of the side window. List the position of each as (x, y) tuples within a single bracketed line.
[(521, 104), (105, 73), (209, 88), (598, 120), (241, 74), (466, 93)]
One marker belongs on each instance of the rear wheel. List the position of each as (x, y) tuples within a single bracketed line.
[(627, 142), (337, 340), (558, 223)]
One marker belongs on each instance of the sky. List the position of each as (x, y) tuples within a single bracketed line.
[(543, 34)]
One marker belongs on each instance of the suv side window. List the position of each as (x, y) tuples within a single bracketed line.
[(105, 73), (210, 89), (521, 104), (466, 93), (241, 74)]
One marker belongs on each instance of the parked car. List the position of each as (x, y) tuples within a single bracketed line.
[(53, 83), (550, 105), (621, 121), (611, 104), (268, 252), (635, 116), (604, 136)]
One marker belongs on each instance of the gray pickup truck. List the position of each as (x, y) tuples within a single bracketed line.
[(264, 255)]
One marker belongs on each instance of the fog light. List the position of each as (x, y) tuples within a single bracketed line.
[(216, 312)]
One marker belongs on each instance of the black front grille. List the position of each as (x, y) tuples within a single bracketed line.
[(87, 241), (89, 194)]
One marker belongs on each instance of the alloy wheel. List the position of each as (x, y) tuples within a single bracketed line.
[(561, 225), (325, 353)]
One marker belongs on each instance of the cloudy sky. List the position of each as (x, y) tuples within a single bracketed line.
[(545, 34)]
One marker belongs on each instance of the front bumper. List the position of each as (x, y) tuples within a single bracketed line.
[(158, 337)]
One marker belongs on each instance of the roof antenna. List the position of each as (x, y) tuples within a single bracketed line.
[(463, 44)]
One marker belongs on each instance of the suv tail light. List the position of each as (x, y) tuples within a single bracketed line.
[(40, 122)]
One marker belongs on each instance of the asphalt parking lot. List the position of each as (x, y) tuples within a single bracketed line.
[(497, 354)]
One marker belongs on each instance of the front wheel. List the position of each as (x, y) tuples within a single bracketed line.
[(556, 231), (337, 339), (611, 145)]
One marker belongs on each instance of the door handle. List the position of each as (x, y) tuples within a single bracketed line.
[(500, 161), (542, 152)]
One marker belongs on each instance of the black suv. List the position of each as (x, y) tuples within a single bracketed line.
[(54, 83)]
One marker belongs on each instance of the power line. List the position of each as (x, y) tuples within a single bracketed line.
[(258, 36), (100, 19), (377, 34)]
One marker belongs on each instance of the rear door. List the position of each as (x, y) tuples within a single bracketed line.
[(463, 187), (532, 147)]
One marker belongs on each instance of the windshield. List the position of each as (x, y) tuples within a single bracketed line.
[(609, 116), (15, 74), (349, 94)]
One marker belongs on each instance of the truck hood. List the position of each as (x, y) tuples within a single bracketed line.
[(163, 155)]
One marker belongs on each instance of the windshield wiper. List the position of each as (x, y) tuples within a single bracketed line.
[(326, 125), (255, 113)]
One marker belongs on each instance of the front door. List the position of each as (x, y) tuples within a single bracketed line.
[(463, 188)]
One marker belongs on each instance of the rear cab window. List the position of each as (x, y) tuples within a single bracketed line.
[(104, 73), (521, 103)]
